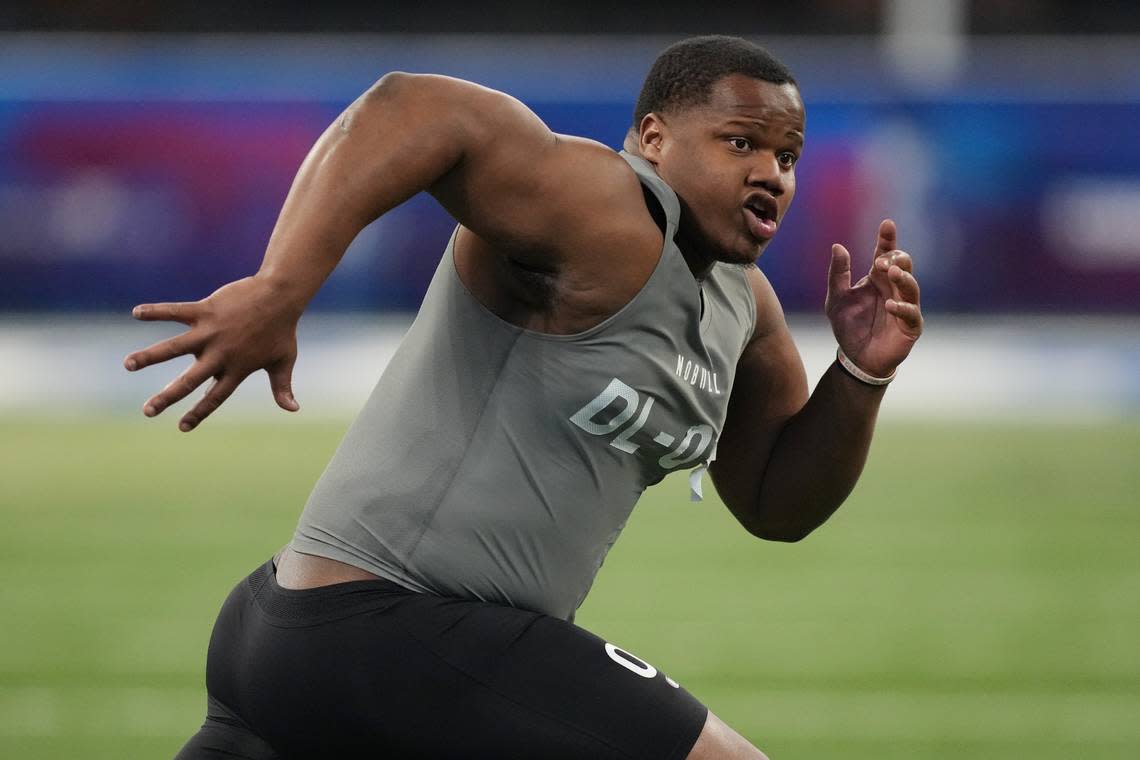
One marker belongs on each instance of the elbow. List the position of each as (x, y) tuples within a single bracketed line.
[(388, 93), (390, 85), (438, 109), (430, 94)]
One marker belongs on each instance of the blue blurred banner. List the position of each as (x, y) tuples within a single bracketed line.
[(144, 169)]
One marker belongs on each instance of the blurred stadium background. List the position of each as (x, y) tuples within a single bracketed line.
[(980, 593)]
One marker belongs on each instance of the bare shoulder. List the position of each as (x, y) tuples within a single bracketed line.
[(517, 184), (555, 232), (506, 176), (582, 245), (590, 160), (606, 206), (575, 196)]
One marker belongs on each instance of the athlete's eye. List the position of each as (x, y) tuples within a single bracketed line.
[(740, 143), (787, 159)]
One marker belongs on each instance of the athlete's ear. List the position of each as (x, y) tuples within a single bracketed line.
[(651, 136)]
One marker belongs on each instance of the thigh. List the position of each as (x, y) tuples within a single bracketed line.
[(416, 676), (537, 686)]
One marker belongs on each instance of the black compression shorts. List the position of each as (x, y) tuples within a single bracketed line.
[(370, 669)]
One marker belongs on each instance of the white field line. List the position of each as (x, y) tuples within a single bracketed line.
[(1032, 369)]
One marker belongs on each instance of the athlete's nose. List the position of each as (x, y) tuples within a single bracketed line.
[(765, 173)]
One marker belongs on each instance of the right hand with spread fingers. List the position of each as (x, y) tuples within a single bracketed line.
[(238, 329)]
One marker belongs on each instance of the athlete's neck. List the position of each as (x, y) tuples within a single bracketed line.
[(697, 256)]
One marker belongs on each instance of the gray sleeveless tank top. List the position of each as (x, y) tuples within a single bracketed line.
[(496, 463)]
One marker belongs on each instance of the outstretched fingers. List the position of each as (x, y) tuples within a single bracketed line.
[(164, 350), (179, 388), (184, 312), (220, 390)]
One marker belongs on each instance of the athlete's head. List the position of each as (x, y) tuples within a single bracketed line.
[(723, 122)]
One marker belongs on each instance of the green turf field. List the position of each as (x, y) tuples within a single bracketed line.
[(978, 596)]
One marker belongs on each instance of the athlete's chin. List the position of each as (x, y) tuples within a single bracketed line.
[(744, 253)]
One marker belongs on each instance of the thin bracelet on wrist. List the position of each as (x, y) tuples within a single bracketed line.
[(852, 369)]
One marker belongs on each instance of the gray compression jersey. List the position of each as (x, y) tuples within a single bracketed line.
[(497, 463)]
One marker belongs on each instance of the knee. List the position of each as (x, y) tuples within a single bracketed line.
[(718, 741)]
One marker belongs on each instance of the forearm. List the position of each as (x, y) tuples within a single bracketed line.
[(816, 459), (387, 146)]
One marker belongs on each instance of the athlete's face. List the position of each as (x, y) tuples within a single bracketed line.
[(732, 162)]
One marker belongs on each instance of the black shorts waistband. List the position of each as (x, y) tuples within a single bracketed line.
[(321, 604)]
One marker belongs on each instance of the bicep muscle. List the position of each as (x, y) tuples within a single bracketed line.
[(769, 388)]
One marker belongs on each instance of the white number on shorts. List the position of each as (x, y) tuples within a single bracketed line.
[(630, 662), (635, 664)]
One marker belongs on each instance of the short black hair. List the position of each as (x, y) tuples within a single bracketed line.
[(685, 72)]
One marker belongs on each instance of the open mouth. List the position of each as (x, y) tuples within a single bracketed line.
[(760, 214)]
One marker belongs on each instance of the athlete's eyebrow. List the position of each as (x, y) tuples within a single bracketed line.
[(794, 134)]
